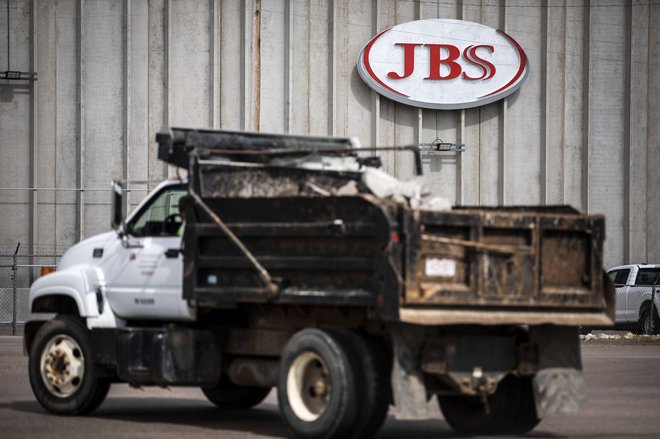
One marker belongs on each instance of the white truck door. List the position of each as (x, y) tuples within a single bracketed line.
[(641, 289), (620, 279), (144, 274)]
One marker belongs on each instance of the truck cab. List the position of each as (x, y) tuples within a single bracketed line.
[(134, 272)]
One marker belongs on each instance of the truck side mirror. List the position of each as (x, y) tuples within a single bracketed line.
[(117, 206)]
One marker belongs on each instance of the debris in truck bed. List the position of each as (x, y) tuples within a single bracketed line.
[(412, 191)]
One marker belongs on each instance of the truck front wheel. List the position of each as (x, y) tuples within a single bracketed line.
[(318, 384), (61, 371), (510, 410)]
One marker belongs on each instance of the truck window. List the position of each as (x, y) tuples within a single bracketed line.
[(161, 216), (619, 277), (647, 276)]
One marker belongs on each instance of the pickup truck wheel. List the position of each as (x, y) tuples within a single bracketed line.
[(318, 385), (61, 371), (510, 410), (645, 322), (227, 395)]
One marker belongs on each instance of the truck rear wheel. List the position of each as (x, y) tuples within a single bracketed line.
[(510, 410), (61, 371), (318, 384), (645, 322), (228, 395)]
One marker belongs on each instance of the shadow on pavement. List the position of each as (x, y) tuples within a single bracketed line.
[(263, 420)]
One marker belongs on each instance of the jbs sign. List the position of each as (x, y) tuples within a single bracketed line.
[(443, 64)]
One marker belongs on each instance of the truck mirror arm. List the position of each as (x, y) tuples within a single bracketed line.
[(122, 233)]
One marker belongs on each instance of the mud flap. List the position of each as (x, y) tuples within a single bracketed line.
[(558, 384), (410, 399)]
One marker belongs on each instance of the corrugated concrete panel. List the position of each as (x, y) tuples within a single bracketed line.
[(608, 122), (553, 82), (638, 88), (157, 87), (15, 132), (231, 65), (576, 83), (66, 116), (582, 130), (102, 89), (190, 80), (319, 68), (522, 139), (136, 100), (653, 139), (46, 129)]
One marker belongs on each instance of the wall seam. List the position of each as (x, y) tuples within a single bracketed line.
[(214, 65), (460, 186), (56, 91), (34, 234), (332, 130), (562, 153), (375, 97), (586, 116), (127, 97), (288, 76), (649, 190), (245, 70), (256, 59), (168, 79), (627, 135), (80, 152), (503, 127), (543, 174)]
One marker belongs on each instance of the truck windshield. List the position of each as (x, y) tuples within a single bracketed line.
[(161, 216)]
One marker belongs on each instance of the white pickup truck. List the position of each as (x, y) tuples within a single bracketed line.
[(634, 289)]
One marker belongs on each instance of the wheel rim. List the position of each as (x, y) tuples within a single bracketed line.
[(308, 386), (62, 366)]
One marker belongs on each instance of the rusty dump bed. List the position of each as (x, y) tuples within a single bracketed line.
[(495, 265), (266, 229)]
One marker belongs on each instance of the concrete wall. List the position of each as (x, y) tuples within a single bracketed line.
[(582, 130)]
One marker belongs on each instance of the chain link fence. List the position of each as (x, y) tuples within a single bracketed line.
[(17, 272)]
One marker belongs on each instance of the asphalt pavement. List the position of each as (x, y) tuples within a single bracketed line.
[(623, 382)]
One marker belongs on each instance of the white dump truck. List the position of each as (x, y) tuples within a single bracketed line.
[(294, 262)]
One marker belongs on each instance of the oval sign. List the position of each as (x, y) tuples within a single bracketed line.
[(443, 64)]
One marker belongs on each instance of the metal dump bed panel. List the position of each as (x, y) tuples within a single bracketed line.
[(512, 260)]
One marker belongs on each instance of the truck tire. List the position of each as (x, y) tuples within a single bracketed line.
[(645, 322), (227, 395), (375, 364), (60, 368), (318, 391), (511, 410)]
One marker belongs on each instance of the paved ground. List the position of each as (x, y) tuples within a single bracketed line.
[(624, 402)]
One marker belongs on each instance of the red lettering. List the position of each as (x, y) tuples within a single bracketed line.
[(408, 60), (435, 61), (487, 68)]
